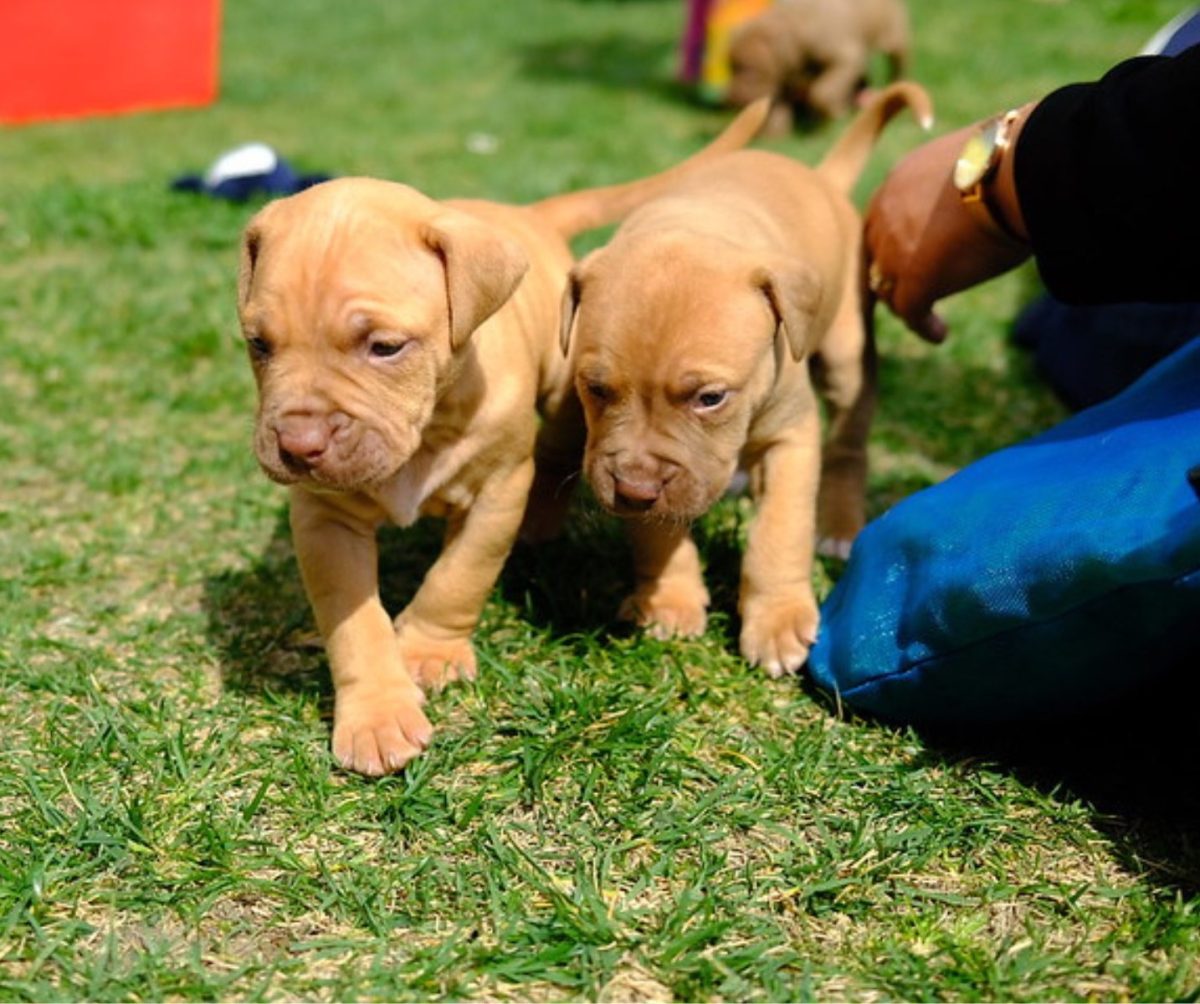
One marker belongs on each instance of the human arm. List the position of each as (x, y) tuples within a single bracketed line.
[(1097, 185), (923, 242)]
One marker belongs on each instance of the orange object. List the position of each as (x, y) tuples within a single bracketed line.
[(72, 58)]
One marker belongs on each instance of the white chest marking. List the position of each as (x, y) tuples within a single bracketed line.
[(406, 494)]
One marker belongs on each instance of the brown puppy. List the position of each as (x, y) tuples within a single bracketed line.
[(403, 350), (692, 333), (814, 54)]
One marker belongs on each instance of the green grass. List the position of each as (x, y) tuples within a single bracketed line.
[(603, 816)]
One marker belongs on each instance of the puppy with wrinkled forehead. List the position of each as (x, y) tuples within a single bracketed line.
[(693, 333), (404, 349)]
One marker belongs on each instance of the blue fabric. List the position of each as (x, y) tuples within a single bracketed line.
[(1049, 577)]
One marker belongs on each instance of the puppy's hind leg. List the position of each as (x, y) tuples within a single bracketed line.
[(834, 88), (558, 454), (845, 374), (782, 119)]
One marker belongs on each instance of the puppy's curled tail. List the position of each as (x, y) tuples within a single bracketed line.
[(845, 161), (574, 212)]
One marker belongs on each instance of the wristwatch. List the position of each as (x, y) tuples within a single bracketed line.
[(977, 164)]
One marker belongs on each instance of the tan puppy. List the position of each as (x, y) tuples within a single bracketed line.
[(814, 54), (692, 332), (403, 350)]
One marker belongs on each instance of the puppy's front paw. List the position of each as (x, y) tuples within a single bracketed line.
[(777, 634), (377, 729), (667, 611), (434, 662)]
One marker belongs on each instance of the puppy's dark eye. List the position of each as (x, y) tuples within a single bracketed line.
[(709, 400), (599, 392), (259, 347), (385, 350)]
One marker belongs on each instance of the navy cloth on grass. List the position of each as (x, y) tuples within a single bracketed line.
[(1053, 576), (248, 170), (1089, 352)]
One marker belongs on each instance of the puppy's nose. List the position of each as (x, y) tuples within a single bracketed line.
[(303, 438), (636, 494)]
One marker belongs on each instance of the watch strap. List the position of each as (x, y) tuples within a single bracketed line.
[(977, 198)]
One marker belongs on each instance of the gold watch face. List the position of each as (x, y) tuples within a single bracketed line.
[(977, 157)]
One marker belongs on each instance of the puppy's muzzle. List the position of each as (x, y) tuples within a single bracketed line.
[(305, 439), (636, 489), (635, 496)]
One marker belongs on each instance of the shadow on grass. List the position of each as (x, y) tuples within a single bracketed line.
[(576, 583), (259, 617), (939, 413), (622, 61), (1134, 763), (614, 60), (570, 585), (260, 621), (956, 411)]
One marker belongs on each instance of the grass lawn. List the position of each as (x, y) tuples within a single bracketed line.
[(603, 816)]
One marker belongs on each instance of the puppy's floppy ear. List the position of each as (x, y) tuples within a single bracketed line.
[(570, 304), (793, 292), (483, 269), (570, 300), (252, 238)]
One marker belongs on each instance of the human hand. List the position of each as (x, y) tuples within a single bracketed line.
[(922, 243)]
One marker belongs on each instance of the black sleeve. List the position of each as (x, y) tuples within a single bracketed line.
[(1107, 175)]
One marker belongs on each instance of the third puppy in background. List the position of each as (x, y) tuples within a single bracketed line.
[(692, 334), (813, 55)]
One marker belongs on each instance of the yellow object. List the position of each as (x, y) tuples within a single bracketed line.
[(723, 18)]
